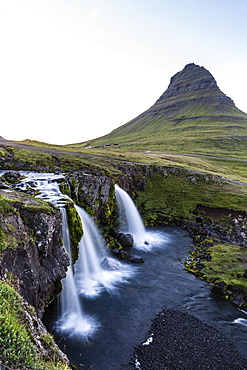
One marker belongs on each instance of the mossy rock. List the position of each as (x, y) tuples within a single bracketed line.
[(75, 228)]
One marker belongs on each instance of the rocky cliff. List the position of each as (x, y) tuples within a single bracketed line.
[(31, 248), (32, 264), (194, 84)]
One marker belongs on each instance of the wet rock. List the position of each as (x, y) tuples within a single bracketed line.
[(199, 219), (123, 254), (125, 239), (234, 222), (245, 274), (12, 177), (135, 259), (110, 265), (238, 300), (219, 289)]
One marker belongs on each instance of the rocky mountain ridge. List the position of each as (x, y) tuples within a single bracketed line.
[(192, 93), (192, 116), (194, 79)]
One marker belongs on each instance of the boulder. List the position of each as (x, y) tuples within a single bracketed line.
[(110, 264), (219, 289), (12, 177), (135, 259), (125, 239)]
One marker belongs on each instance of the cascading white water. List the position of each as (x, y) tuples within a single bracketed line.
[(72, 320), (95, 271), (46, 184), (129, 218), (131, 222)]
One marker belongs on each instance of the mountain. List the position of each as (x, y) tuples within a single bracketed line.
[(192, 116)]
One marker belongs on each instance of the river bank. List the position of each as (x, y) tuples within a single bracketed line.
[(177, 340)]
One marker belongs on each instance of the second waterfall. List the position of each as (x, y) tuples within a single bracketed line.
[(95, 270), (131, 222)]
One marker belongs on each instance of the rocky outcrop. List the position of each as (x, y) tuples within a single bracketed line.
[(195, 79), (229, 239), (94, 193), (192, 94), (31, 252)]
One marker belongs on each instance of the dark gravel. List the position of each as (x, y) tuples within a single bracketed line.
[(181, 341)]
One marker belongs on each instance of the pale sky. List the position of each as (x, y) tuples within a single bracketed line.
[(74, 70)]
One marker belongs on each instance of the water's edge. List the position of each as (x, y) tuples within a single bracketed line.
[(126, 315)]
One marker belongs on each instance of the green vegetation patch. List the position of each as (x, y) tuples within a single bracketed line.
[(6, 205), (33, 157), (75, 228), (228, 263), (2, 153), (40, 207), (17, 347), (177, 195)]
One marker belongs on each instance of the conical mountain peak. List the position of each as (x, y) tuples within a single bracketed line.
[(192, 115), (194, 84)]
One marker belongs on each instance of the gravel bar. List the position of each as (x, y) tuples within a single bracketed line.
[(178, 340)]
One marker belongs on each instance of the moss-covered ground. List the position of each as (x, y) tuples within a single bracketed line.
[(178, 195), (18, 349), (227, 263), (221, 264)]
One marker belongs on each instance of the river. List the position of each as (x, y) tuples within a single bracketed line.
[(125, 314)]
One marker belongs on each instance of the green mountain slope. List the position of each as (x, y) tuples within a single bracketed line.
[(192, 116)]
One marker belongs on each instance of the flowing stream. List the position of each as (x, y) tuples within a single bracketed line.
[(126, 315), (99, 326), (70, 310)]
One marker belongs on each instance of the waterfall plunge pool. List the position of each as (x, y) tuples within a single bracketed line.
[(121, 314), (125, 314)]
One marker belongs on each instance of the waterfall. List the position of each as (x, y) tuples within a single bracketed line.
[(131, 222), (72, 320), (129, 218), (95, 270)]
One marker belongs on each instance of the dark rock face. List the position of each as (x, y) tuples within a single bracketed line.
[(206, 234), (190, 87), (193, 78), (36, 258), (93, 192)]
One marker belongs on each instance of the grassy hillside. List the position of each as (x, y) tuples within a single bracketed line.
[(192, 116)]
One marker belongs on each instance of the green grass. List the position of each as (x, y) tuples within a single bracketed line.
[(18, 349), (227, 263), (6, 205), (178, 195), (12, 203), (33, 157)]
